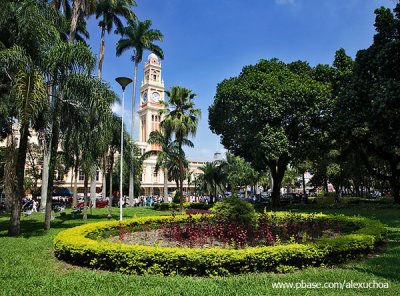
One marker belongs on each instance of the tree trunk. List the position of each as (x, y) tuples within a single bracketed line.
[(47, 151), (104, 187), (14, 225), (101, 56), (85, 197), (74, 21), (45, 175), (111, 184), (180, 178), (9, 172), (75, 196), (165, 184), (131, 167), (93, 189), (277, 168), (304, 188), (53, 161)]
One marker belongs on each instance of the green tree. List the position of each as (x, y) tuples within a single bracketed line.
[(370, 105), (69, 66), (181, 119), (167, 152), (110, 12), (27, 29), (138, 36), (212, 178), (270, 112), (79, 10)]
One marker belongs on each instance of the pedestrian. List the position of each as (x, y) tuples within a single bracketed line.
[(34, 206)]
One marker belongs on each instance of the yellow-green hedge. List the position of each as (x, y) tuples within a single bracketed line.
[(83, 246)]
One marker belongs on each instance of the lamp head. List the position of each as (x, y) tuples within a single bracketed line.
[(123, 81)]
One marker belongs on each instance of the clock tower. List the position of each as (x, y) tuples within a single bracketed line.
[(151, 98)]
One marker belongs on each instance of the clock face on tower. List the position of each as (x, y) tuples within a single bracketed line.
[(145, 97), (156, 96)]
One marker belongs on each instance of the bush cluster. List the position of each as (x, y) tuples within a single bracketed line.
[(83, 246), (237, 210)]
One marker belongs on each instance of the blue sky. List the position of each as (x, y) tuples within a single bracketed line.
[(206, 41)]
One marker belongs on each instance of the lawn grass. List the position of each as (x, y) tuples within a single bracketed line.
[(28, 267)]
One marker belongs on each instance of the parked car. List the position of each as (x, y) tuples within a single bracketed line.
[(100, 203), (287, 198)]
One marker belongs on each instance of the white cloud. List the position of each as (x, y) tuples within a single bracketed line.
[(285, 2), (116, 108)]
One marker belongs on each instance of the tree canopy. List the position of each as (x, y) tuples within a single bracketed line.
[(269, 113)]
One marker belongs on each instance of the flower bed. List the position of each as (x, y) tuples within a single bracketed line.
[(86, 246)]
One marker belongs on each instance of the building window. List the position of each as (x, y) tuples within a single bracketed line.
[(81, 175), (154, 77), (155, 176)]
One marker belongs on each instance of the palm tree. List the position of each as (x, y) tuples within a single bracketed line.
[(138, 36), (31, 96), (65, 62), (181, 119), (188, 176), (174, 170), (168, 151), (212, 178), (26, 29), (80, 9), (110, 11), (73, 145)]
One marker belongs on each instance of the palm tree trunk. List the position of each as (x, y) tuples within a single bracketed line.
[(304, 187), (101, 56), (165, 184), (9, 172), (53, 160), (93, 189), (104, 187), (99, 73), (85, 199), (74, 21), (74, 198), (47, 153), (131, 167), (111, 182), (14, 225), (180, 177), (45, 175)]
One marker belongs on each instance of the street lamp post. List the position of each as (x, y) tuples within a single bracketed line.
[(123, 81)]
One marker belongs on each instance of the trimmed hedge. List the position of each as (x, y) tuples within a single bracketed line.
[(84, 246), (162, 206)]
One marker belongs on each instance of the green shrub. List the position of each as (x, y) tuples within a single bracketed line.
[(83, 245), (236, 210)]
